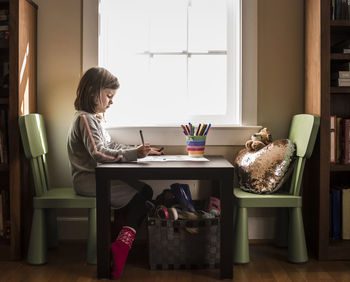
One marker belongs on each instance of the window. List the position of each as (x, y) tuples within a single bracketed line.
[(177, 60)]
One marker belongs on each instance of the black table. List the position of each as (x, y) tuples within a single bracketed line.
[(217, 169)]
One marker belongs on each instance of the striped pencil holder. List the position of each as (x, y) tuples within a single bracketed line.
[(195, 145)]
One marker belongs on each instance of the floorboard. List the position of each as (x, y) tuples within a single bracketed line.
[(67, 263)]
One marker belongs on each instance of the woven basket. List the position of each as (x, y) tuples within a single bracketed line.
[(171, 246)]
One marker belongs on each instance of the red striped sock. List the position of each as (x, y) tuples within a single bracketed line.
[(120, 249)]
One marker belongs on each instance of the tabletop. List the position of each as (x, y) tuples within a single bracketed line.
[(214, 162)]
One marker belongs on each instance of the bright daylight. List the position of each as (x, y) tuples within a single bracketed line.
[(171, 58)]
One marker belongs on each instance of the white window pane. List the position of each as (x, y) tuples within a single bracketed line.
[(168, 88), (124, 25), (167, 95), (207, 84), (168, 24), (207, 25), (152, 90), (131, 98)]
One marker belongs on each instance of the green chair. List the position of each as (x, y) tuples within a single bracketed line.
[(47, 200), (303, 132)]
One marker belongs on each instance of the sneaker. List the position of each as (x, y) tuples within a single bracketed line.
[(187, 190), (166, 198), (214, 206), (183, 195)]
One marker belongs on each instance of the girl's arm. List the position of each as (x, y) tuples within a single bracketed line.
[(96, 145), (117, 146)]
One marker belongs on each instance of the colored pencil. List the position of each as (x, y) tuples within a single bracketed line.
[(191, 128), (188, 129), (199, 126), (206, 132), (203, 130), (185, 129)]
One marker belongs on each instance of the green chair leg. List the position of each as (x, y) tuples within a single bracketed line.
[(297, 252), (37, 252), (91, 256), (241, 243), (51, 224), (282, 228)]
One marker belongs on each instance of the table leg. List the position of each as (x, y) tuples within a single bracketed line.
[(226, 233), (103, 226)]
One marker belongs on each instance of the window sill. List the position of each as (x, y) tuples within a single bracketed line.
[(223, 135)]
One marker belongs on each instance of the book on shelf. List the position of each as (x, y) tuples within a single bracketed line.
[(4, 18), (333, 148), (341, 74), (346, 214), (340, 66), (340, 9), (336, 213), (344, 141), (4, 35), (333, 10), (338, 139), (337, 9), (341, 82), (344, 10)]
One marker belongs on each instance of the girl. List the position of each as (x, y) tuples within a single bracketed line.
[(89, 144)]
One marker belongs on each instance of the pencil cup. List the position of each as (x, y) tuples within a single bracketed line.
[(195, 146)]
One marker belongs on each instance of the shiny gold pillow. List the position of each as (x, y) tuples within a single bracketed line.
[(266, 170)]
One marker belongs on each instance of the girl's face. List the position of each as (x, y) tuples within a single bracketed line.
[(105, 100)]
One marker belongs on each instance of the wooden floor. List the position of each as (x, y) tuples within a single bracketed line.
[(67, 263)]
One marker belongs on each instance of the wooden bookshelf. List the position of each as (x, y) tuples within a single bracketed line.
[(323, 99), (337, 90), (340, 167), (340, 57), (17, 100), (340, 23), (4, 101)]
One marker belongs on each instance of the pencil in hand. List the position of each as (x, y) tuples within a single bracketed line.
[(142, 140)]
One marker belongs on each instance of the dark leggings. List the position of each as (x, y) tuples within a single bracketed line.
[(136, 210)]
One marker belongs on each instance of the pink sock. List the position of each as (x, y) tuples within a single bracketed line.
[(120, 249)]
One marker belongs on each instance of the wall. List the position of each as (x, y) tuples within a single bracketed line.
[(280, 84), (280, 63), (58, 75)]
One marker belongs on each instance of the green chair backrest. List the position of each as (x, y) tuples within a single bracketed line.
[(33, 135), (303, 132)]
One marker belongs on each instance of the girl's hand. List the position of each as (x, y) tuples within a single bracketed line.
[(156, 152), (143, 150)]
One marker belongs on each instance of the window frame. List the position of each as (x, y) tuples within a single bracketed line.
[(220, 134)]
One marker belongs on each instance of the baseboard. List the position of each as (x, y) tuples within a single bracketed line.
[(261, 241), (261, 228), (72, 228)]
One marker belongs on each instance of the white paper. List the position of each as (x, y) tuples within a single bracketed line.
[(172, 158)]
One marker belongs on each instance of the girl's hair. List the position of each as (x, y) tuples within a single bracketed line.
[(90, 86)]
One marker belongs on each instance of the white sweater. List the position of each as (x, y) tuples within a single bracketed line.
[(89, 144)]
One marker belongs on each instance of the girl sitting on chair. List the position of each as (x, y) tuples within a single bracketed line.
[(89, 143)]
